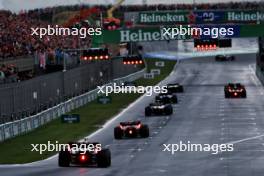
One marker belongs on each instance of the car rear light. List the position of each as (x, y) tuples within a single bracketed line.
[(235, 94), (124, 63), (96, 57), (141, 62), (106, 57), (83, 157), (130, 131), (90, 58), (101, 57), (138, 126)]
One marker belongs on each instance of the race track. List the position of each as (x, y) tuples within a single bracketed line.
[(202, 116)]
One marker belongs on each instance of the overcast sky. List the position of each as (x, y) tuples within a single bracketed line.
[(17, 5)]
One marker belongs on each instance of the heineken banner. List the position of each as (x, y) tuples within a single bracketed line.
[(163, 17), (157, 34), (244, 16), (200, 17)]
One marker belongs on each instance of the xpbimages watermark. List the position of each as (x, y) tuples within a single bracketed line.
[(192, 147), (74, 147), (60, 31), (149, 90), (214, 32)]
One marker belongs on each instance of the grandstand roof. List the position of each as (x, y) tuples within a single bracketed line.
[(16, 6)]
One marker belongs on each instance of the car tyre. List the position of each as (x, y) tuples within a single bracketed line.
[(147, 111), (118, 133), (144, 131), (64, 159), (174, 99), (104, 158), (168, 110)]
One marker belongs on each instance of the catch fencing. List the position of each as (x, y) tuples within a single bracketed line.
[(18, 127)]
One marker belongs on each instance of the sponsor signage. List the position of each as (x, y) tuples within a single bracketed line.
[(159, 64), (149, 76), (155, 34), (163, 17), (70, 118), (200, 17), (141, 35), (244, 16), (155, 71), (104, 99)]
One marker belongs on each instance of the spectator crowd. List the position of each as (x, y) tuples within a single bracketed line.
[(16, 39)]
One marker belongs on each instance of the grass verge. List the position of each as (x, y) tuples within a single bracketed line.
[(18, 149)]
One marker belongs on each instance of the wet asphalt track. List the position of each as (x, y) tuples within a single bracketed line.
[(203, 115)]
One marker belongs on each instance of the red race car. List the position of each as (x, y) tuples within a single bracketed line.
[(133, 129)]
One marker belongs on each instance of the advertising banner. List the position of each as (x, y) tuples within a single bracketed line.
[(156, 34), (203, 17), (163, 17), (200, 17)]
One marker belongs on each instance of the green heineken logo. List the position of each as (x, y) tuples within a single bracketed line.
[(142, 35), (162, 17), (249, 16)]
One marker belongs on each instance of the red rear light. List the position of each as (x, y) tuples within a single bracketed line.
[(107, 57), (128, 62), (96, 57), (235, 94), (101, 57), (130, 131), (83, 157), (124, 63), (136, 62), (90, 58), (132, 62), (141, 62), (138, 126)]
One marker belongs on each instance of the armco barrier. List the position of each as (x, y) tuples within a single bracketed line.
[(11, 129)]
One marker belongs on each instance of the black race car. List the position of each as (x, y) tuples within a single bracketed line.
[(133, 129), (158, 108), (84, 154), (224, 58), (175, 88), (167, 98), (235, 90)]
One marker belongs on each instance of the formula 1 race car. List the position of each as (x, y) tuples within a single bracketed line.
[(133, 129), (235, 90), (175, 88), (158, 108), (84, 154), (167, 98), (224, 58)]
